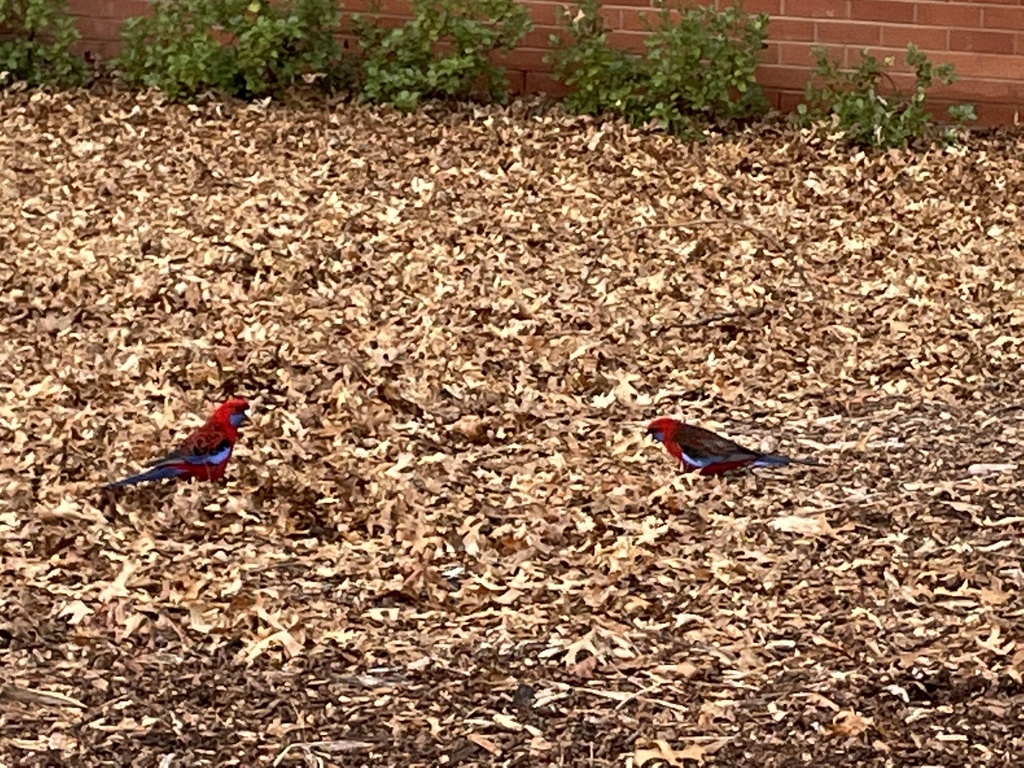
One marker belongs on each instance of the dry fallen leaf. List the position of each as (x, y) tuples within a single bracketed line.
[(816, 525), (849, 724), (485, 743), (662, 751), (453, 326), (986, 469), (473, 428)]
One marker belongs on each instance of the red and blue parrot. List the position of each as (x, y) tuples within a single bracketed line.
[(703, 451), (204, 454)]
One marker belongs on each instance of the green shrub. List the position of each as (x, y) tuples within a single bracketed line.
[(442, 52), (36, 52), (698, 67), (850, 102), (248, 48)]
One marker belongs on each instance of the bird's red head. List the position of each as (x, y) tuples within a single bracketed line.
[(231, 413), (662, 428)]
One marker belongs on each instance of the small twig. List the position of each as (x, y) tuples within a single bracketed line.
[(895, 88), (7, 282), (718, 316), (31, 696)]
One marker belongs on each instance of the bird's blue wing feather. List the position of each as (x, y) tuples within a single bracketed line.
[(197, 455)]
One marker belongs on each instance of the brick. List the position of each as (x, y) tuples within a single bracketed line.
[(791, 29), (847, 33), (788, 101), (925, 38), (612, 17), (122, 9), (634, 18), (988, 90), (787, 78), (1002, 18), (99, 29), (800, 54), (945, 14), (982, 41), (898, 82), (637, 20), (771, 7), (627, 41), (82, 8), (887, 11), (817, 9), (898, 56), (109, 9), (516, 81), (544, 13), (538, 37), (396, 8), (989, 115), (526, 59), (985, 66), (388, 22), (771, 54), (629, 4), (538, 82)]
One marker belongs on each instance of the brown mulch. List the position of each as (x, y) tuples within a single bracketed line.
[(445, 539)]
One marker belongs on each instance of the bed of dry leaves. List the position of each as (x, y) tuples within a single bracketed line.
[(445, 539)]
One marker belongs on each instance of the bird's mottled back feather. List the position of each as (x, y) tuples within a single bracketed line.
[(703, 444)]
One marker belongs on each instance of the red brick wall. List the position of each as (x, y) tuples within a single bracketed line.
[(985, 40)]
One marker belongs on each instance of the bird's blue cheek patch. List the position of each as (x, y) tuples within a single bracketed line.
[(658, 435)]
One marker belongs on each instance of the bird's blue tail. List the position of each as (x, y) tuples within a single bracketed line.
[(773, 460), (770, 460), (157, 473)]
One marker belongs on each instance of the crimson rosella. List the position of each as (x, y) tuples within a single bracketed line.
[(204, 454), (710, 454)]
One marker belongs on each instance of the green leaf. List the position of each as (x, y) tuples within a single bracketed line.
[(272, 46), (698, 67), (410, 65), (864, 115)]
